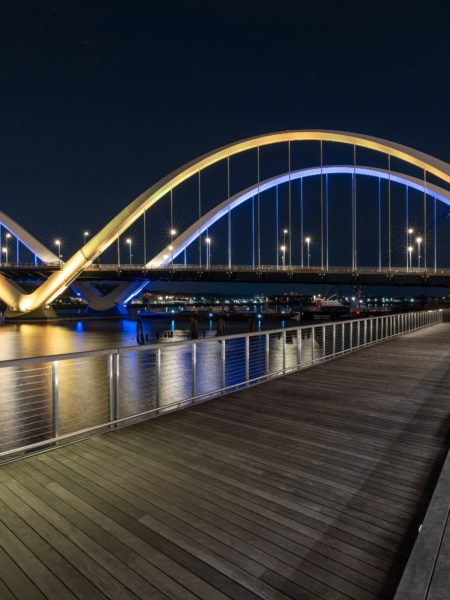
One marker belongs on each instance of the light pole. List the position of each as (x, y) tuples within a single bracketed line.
[(128, 241), (58, 244), (208, 252), (173, 233), (6, 249), (308, 245), (283, 255), (410, 251), (85, 235), (419, 241), (410, 232)]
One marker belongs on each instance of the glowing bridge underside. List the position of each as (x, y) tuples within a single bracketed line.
[(17, 300)]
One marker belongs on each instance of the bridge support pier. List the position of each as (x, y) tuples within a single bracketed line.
[(113, 303)]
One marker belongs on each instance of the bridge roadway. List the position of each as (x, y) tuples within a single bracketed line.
[(309, 486), (242, 273)]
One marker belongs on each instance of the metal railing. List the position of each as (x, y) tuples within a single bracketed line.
[(361, 270), (49, 400)]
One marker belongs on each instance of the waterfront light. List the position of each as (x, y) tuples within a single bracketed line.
[(85, 235)]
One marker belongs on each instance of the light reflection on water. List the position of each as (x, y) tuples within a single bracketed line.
[(26, 413)]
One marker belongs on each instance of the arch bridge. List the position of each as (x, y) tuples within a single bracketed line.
[(366, 210)]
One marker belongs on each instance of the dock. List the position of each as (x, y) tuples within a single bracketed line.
[(310, 486)]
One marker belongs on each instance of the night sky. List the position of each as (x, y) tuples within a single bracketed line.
[(101, 99)]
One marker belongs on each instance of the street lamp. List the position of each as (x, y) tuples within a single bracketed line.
[(128, 241), (58, 243), (283, 256), (419, 241), (85, 235), (410, 231), (208, 251), (410, 251), (308, 245), (5, 249)]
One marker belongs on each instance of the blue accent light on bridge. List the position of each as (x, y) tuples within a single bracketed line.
[(135, 293), (240, 198)]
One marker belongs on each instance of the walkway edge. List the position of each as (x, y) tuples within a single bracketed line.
[(418, 574)]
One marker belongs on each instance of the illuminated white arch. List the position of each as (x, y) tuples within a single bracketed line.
[(58, 281), (182, 242), (28, 240)]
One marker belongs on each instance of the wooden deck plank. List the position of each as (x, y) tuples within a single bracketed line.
[(309, 486)]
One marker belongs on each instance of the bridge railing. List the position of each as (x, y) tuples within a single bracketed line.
[(50, 400), (237, 268)]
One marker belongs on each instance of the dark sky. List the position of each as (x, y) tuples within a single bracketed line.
[(100, 99)]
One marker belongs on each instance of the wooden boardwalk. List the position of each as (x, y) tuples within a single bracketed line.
[(311, 486)]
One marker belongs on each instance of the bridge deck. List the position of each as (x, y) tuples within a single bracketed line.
[(309, 486)]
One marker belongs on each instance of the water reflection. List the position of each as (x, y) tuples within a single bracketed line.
[(85, 385)]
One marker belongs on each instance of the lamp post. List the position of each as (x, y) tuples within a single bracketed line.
[(410, 232), (410, 251), (85, 235), (308, 246), (283, 255), (6, 248), (58, 244), (173, 233), (419, 241), (129, 242), (208, 251)]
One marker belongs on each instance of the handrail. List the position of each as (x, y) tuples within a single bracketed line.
[(132, 383)]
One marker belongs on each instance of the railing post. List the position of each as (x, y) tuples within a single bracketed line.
[(116, 385), (351, 335), (343, 336), (247, 359), (158, 377), (111, 386), (334, 339), (194, 368), (313, 342), (222, 363), (299, 347), (267, 352), (55, 398), (365, 331), (358, 332), (324, 338), (283, 337)]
